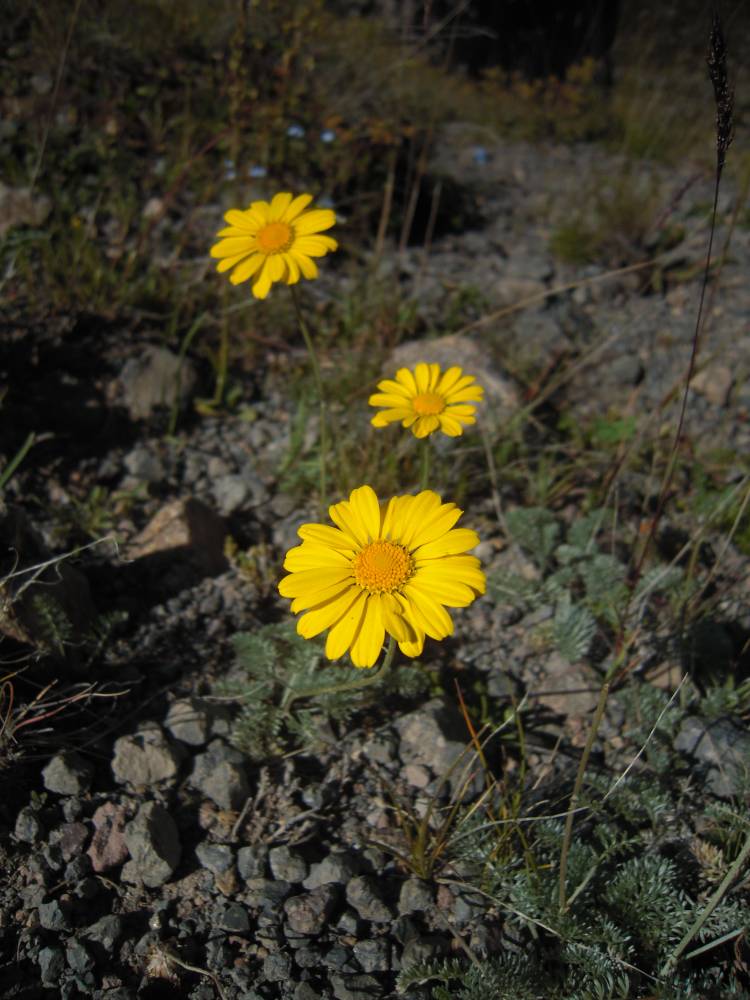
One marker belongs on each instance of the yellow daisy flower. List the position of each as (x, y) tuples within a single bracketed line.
[(274, 241), (427, 401), (385, 568)]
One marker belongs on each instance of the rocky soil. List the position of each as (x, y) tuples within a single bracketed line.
[(143, 854)]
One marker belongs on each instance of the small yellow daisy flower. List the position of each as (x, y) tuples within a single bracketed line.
[(427, 401), (385, 568), (274, 241)]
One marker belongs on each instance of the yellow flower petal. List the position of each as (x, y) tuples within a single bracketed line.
[(368, 643), (262, 285), (279, 204), (437, 399), (308, 267), (231, 246), (314, 222), (324, 615), (366, 509), (459, 540), (314, 246), (298, 205), (345, 630), (246, 269)]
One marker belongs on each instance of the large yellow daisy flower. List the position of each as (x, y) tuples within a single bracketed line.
[(385, 568), (274, 241), (427, 401)]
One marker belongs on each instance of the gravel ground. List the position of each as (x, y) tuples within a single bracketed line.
[(144, 854)]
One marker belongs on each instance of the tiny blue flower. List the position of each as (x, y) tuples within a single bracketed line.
[(480, 155), (229, 172), (295, 132), (256, 170), (327, 135), (326, 202)]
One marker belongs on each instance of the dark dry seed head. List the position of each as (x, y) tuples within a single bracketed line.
[(723, 93)]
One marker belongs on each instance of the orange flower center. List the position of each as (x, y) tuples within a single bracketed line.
[(274, 237), (428, 404), (382, 567)]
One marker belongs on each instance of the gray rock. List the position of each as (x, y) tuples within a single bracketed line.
[(363, 895), (266, 894), (308, 913), (356, 987), (144, 465), (68, 774), (431, 736), (146, 758), (252, 862), (380, 748), (220, 775), (54, 915), (338, 867), (340, 959), (106, 932), (189, 721), (28, 828), (304, 991), (416, 896), (230, 492), (51, 965), (723, 747), (78, 958), (154, 846), (308, 957), (156, 377), (374, 955), (286, 865), (70, 838), (277, 967), (235, 919), (217, 858), (421, 949), (184, 530)]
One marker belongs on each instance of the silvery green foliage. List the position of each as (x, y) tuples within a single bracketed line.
[(280, 680), (631, 898), (587, 587)]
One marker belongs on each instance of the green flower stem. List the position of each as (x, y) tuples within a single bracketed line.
[(425, 475), (371, 677), (222, 359), (321, 397)]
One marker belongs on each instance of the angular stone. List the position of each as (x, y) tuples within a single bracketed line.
[(363, 894), (188, 528), (308, 914), (108, 848), (155, 377), (189, 721), (146, 758), (287, 865), (154, 845), (220, 775), (338, 867), (68, 774)]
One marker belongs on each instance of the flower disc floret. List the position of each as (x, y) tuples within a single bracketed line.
[(382, 568), (274, 241), (425, 399)]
